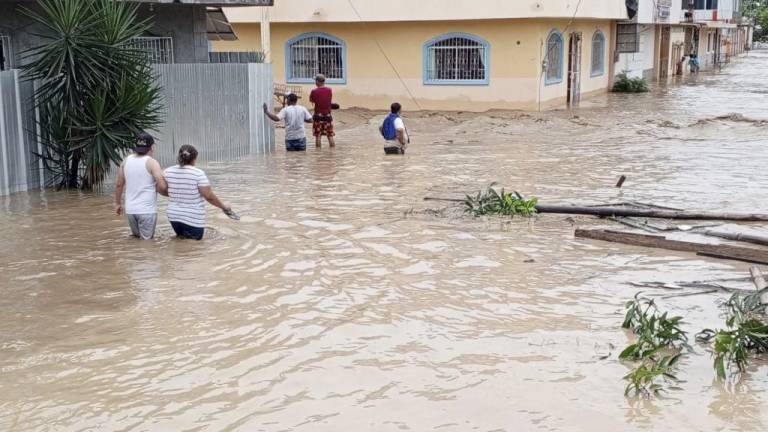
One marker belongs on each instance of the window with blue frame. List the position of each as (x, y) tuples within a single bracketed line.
[(456, 59), (554, 58), (598, 53), (315, 53)]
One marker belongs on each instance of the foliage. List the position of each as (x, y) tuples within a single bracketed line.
[(757, 9), (746, 334), (95, 91), (625, 84), (493, 202), (644, 380), (657, 334)]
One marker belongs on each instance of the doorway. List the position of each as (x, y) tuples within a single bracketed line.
[(664, 53), (574, 69)]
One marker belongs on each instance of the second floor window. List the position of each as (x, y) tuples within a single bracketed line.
[(312, 54)]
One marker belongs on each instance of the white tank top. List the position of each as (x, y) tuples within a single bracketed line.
[(140, 186)]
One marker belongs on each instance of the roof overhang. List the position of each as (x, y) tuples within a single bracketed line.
[(218, 26), (219, 3), (718, 24)]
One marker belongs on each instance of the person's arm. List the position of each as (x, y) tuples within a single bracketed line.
[(207, 193), (307, 116), (270, 114), (157, 173), (119, 189), (401, 136)]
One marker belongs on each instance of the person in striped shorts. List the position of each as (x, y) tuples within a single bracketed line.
[(188, 190)]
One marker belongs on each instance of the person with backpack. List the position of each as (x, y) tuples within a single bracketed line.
[(393, 130)]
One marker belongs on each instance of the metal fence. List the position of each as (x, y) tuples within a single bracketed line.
[(159, 50), (19, 169), (236, 57), (215, 107)]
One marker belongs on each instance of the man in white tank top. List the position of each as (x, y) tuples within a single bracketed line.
[(141, 179)]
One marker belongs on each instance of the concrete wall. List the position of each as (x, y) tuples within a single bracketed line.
[(317, 11), (517, 49), (641, 63)]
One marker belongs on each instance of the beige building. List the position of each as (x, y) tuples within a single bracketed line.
[(437, 54)]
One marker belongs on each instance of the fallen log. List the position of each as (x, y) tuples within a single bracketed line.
[(748, 238), (660, 242), (615, 211), (650, 213)]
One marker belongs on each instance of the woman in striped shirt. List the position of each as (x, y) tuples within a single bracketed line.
[(188, 189)]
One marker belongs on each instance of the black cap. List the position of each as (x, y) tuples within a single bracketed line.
[(144, 143)]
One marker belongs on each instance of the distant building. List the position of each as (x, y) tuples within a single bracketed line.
[(653, 42), (471, 55)]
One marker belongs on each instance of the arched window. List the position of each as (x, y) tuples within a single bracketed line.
[(315, 53), (554, 58), (456, 59), (598, 53)]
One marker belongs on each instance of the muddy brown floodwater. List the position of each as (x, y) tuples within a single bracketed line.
[(331, 306)]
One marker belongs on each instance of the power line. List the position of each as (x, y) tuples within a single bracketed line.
[(384, 54)]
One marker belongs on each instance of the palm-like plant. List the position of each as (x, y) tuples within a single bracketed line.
[(95, 91)]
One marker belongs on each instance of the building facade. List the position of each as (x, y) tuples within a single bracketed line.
[(478, 55), (659, 39)]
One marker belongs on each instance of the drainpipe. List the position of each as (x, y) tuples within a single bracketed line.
[(266, 43)]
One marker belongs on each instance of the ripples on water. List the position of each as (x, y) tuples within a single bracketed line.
[(336, 303)]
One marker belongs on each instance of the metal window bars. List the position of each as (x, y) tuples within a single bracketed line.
[(6, 56), (456, 59), (157, 49), (598, 53), (627, 38), (554, 57), (316, 55)]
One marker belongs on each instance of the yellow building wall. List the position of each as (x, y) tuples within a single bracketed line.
[(517, 49)]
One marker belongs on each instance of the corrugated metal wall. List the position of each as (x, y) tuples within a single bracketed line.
[(18, 166), (215, 107)]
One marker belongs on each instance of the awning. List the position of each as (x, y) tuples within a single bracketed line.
[(718, 24), (219, 28)]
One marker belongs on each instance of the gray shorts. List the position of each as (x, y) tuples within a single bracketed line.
[(143, 225)]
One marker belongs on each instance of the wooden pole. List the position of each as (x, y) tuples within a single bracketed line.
[(659, 242), (749, 238), (650, 213)]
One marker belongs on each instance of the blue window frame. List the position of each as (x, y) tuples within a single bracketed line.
[(598, 54), (456, 59), (310, 54), (554, 73)]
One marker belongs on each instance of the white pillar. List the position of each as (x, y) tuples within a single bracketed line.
[(266, 43)]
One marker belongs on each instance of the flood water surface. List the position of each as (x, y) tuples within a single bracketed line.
[(344, 302)]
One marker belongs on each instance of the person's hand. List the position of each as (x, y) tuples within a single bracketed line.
[(119, 209), (265, 108)]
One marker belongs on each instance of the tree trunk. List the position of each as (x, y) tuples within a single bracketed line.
[(74, 170)]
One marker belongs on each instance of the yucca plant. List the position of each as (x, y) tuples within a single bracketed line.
[(493, 202), (95, 92)]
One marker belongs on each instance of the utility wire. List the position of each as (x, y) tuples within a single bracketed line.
[(381, 49)]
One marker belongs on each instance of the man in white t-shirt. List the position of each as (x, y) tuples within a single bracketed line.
[(294, 116), (393, 130)]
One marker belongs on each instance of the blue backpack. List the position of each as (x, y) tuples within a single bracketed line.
[(388, 130)]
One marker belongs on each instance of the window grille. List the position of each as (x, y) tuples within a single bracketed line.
[(5, 53), (554, 58), (157, 49), (310, 55), (627, 38), (456, 60), (598, 53)]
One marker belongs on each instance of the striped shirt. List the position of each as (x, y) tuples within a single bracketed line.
[(185, 203)]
